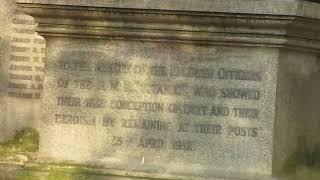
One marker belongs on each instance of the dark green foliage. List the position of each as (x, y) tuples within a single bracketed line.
[(315, 155), (25, 140), (303, 157)]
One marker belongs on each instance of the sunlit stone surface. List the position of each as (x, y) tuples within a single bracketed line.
[(179, 89), (21, 76)]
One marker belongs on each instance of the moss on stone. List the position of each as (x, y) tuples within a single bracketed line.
[(25, 140), (72, 171), (63, 171), (304, 163), (304, 173), (315, 155)]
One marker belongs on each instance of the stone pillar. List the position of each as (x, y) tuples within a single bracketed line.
[(179, 88), (21, 70)]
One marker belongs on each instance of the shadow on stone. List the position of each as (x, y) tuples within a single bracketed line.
[(304, 163)]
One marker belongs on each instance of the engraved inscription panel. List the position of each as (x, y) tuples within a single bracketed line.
[(26, 61), (159, 107), (21, 64)]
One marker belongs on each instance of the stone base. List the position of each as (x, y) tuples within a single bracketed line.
[(77, 172)]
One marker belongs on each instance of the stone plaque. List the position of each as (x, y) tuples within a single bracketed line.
[(22, 63), (172, 89), (159, 107)]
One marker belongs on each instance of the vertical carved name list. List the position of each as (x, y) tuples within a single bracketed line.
[(26, 61)]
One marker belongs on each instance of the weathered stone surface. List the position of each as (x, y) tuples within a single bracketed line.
[(297, 116), (211, 89), (159, 107), (4, 51), (272, 7), (22, 56)]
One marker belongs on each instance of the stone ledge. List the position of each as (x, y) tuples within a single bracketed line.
[(275, 7), (280, 7), (226, 28)]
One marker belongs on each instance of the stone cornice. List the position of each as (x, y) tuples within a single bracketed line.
[(228, 28), (274, 7)]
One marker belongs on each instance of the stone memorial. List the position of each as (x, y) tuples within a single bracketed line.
[(21, 76), (179, 88)]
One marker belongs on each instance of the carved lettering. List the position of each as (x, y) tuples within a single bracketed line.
[(183, 145), (17, 85), (63, 83), (39, 41), (240, 93), (188, 109), (155, 143), (24, 31), (19, 58), (208, 129), (204, 91), (74, 66), (84, 84), (19, 49), (246, 113), (116, 68), (21, 40), (191, 72), (69, 101), (243, 75), (14, 67), (137, 106), (164, 89), (20, 95), (21, 77), (243, 131), (23, 21), (147, 124), (73, 119), (108, 121), (94, 103)]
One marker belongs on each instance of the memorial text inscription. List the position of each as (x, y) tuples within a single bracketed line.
[(196, 102)]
